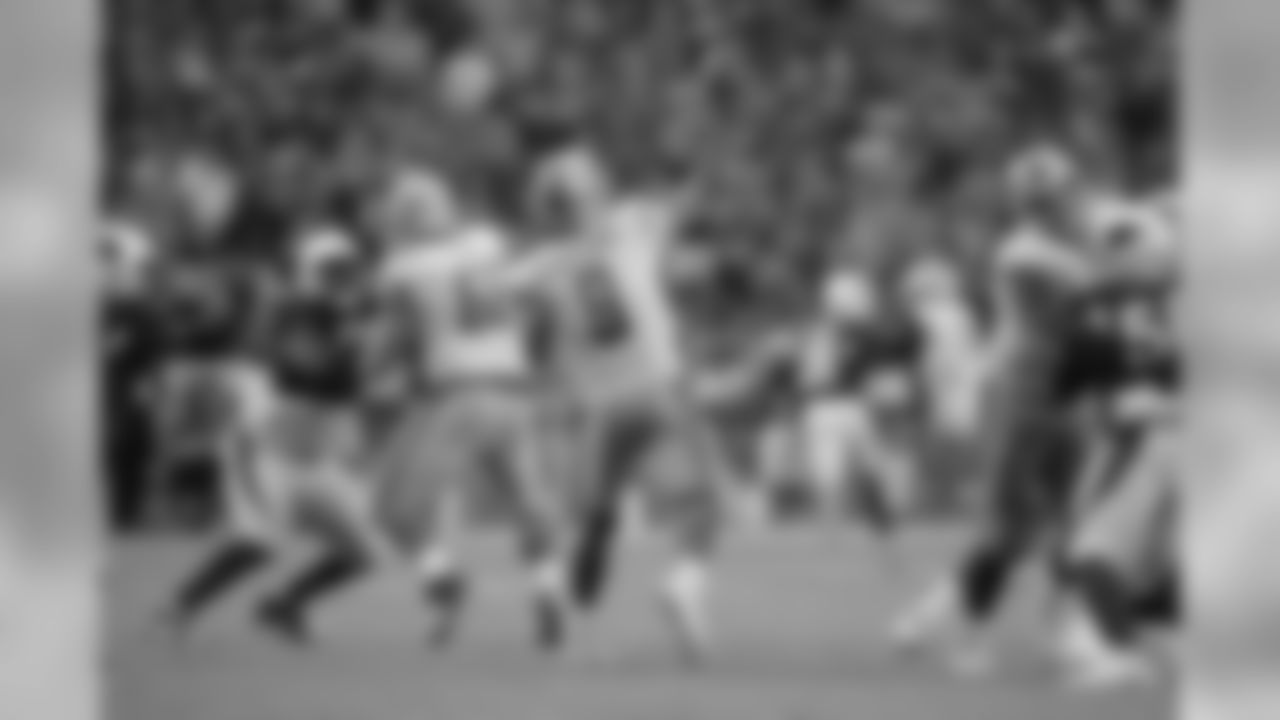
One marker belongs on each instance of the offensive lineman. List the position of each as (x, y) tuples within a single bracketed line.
[(476, 407)]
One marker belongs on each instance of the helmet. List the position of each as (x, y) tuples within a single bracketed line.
[(127, 245), (574, 177), (419, 205), (1040, 172), (848, 294), (322, 247)]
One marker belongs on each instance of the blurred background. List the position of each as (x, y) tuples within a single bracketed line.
[(869, 131)]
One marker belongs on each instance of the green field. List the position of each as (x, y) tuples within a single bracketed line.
[(801, 639)]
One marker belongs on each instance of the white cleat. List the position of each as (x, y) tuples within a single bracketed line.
[(971, 661), (692, 639), (1092, 663), (1112, 670), (683, 601), (926, 624)]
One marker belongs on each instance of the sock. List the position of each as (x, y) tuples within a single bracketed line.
[(687, 589), (593, 559), (549, 598), (937, 607), (225, 568), (1161, 606), (330, 573), (547, 578), (984, 578), (436, 563), (445, 591), (1079, 637), (1104, 596)]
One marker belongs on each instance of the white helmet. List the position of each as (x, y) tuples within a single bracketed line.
[(848, 294), (1041, 171), (575, 176), (322, 247), (128, 251), (419, 205)]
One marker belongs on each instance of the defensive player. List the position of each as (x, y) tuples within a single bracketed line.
[(290, 472), (1042, 272), (854, 372), (1121, 558)]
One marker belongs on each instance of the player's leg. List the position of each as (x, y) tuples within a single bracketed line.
[(1124, 546), (329, 508), (1161, 605), (225, 567), (1101, 647), (420, 503), (828, 456), (612, 446), (541, 507), (968, 599), (287, 611), (246, 546), (176, 389), (698, 525), (881, 474)]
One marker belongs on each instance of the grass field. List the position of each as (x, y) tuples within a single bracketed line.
[(802, 617)]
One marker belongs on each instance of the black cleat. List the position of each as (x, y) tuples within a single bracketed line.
[(592, 564), (284, 623), (549, 624), (447, 597), (173, 625)]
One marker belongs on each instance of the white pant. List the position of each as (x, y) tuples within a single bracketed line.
[(1132, 527), (272, 492)]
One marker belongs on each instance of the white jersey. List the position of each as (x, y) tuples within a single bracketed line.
[(638, 249), (615, 327), (1038, 278), (471, 330)]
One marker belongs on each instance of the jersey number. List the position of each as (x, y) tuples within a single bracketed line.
[(608, 322), (477, 310)]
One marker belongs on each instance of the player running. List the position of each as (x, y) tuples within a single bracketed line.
[(292, 474), (476, 407)]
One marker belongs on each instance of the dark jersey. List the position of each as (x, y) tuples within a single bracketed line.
[(205, 307), (1100, 360), (312, 351), (131, 348), (866, 349)]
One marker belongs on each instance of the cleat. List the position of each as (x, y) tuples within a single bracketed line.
[(286, 624), (173, 625), (447, 597), (1110, 670), (549, 624), (973, 662), (927, 623), (682, 602), (692, 643)]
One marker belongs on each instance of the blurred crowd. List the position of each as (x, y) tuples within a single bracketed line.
[(807, 122), (867, 132)]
